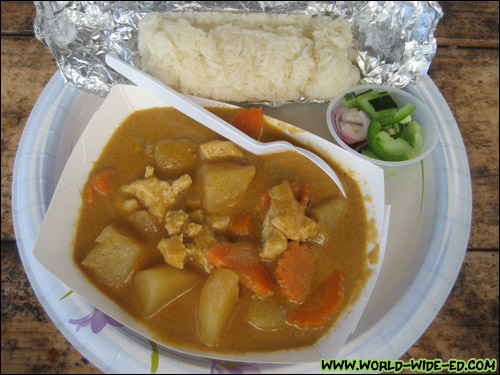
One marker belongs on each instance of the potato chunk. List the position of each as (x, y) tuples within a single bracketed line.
[(218, 299), (224, 185), (157, 287), (176, 155), (266, 313), (218, 150), (143, 222), (328, 212), (114, 258)]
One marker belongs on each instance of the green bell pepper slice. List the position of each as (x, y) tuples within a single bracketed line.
[(386, 147)]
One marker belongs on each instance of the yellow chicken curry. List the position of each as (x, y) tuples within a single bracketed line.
[(215, 248)]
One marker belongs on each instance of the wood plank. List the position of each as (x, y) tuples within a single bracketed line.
[(468, 79), (50, 353), (27, 66), (468, 24), (30, 342), (18, 17), (459, 331)]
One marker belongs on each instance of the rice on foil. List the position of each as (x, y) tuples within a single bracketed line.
[(394, 40), (249, 57)]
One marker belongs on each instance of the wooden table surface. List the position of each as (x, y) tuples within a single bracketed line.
[(465, 69)]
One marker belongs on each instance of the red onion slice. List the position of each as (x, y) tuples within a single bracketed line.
[(350, 124)]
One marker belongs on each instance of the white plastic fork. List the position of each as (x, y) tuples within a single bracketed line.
[(208, 119)]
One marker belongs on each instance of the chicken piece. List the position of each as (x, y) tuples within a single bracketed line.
[(218, 222), (129, 205), (149, 172), (173, 250), (174, 220), (274, 245), (202, 242), (218, 150), (285, 219), (295, 227), (156, 195), (181, 184), (192, 229)]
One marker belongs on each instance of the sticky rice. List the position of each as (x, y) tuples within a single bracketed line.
[(249, 57)]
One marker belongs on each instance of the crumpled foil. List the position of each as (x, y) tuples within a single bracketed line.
[(395, 41)]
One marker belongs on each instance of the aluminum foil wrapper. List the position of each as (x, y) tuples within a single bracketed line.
[(395, 41)]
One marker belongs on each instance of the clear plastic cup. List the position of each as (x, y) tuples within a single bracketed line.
[(421, 114)]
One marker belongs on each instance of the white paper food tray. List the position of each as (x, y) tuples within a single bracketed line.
[(54, 246)]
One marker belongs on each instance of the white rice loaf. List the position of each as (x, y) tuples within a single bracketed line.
[(248, 57)]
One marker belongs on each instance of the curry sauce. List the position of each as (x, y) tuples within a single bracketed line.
[(134, 150)]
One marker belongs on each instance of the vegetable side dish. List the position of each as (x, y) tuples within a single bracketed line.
[(372, 123), (215, 248)]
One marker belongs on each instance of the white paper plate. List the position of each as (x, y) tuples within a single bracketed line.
[(428, 235)]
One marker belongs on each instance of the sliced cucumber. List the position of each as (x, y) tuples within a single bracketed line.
[(393, 129), (383, 103), (367, 152), (406, 120), (413, 133), (350, 100), (386, 147), (400, 115), (377, 105)]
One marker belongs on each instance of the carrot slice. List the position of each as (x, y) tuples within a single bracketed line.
[(305, 196), (295, 271), (98, 184), (295, 189), (249, 121), (239, 258), (90, 193), (217, 254), (241, 224), (102, 181), (264, 202), (322, 304)]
